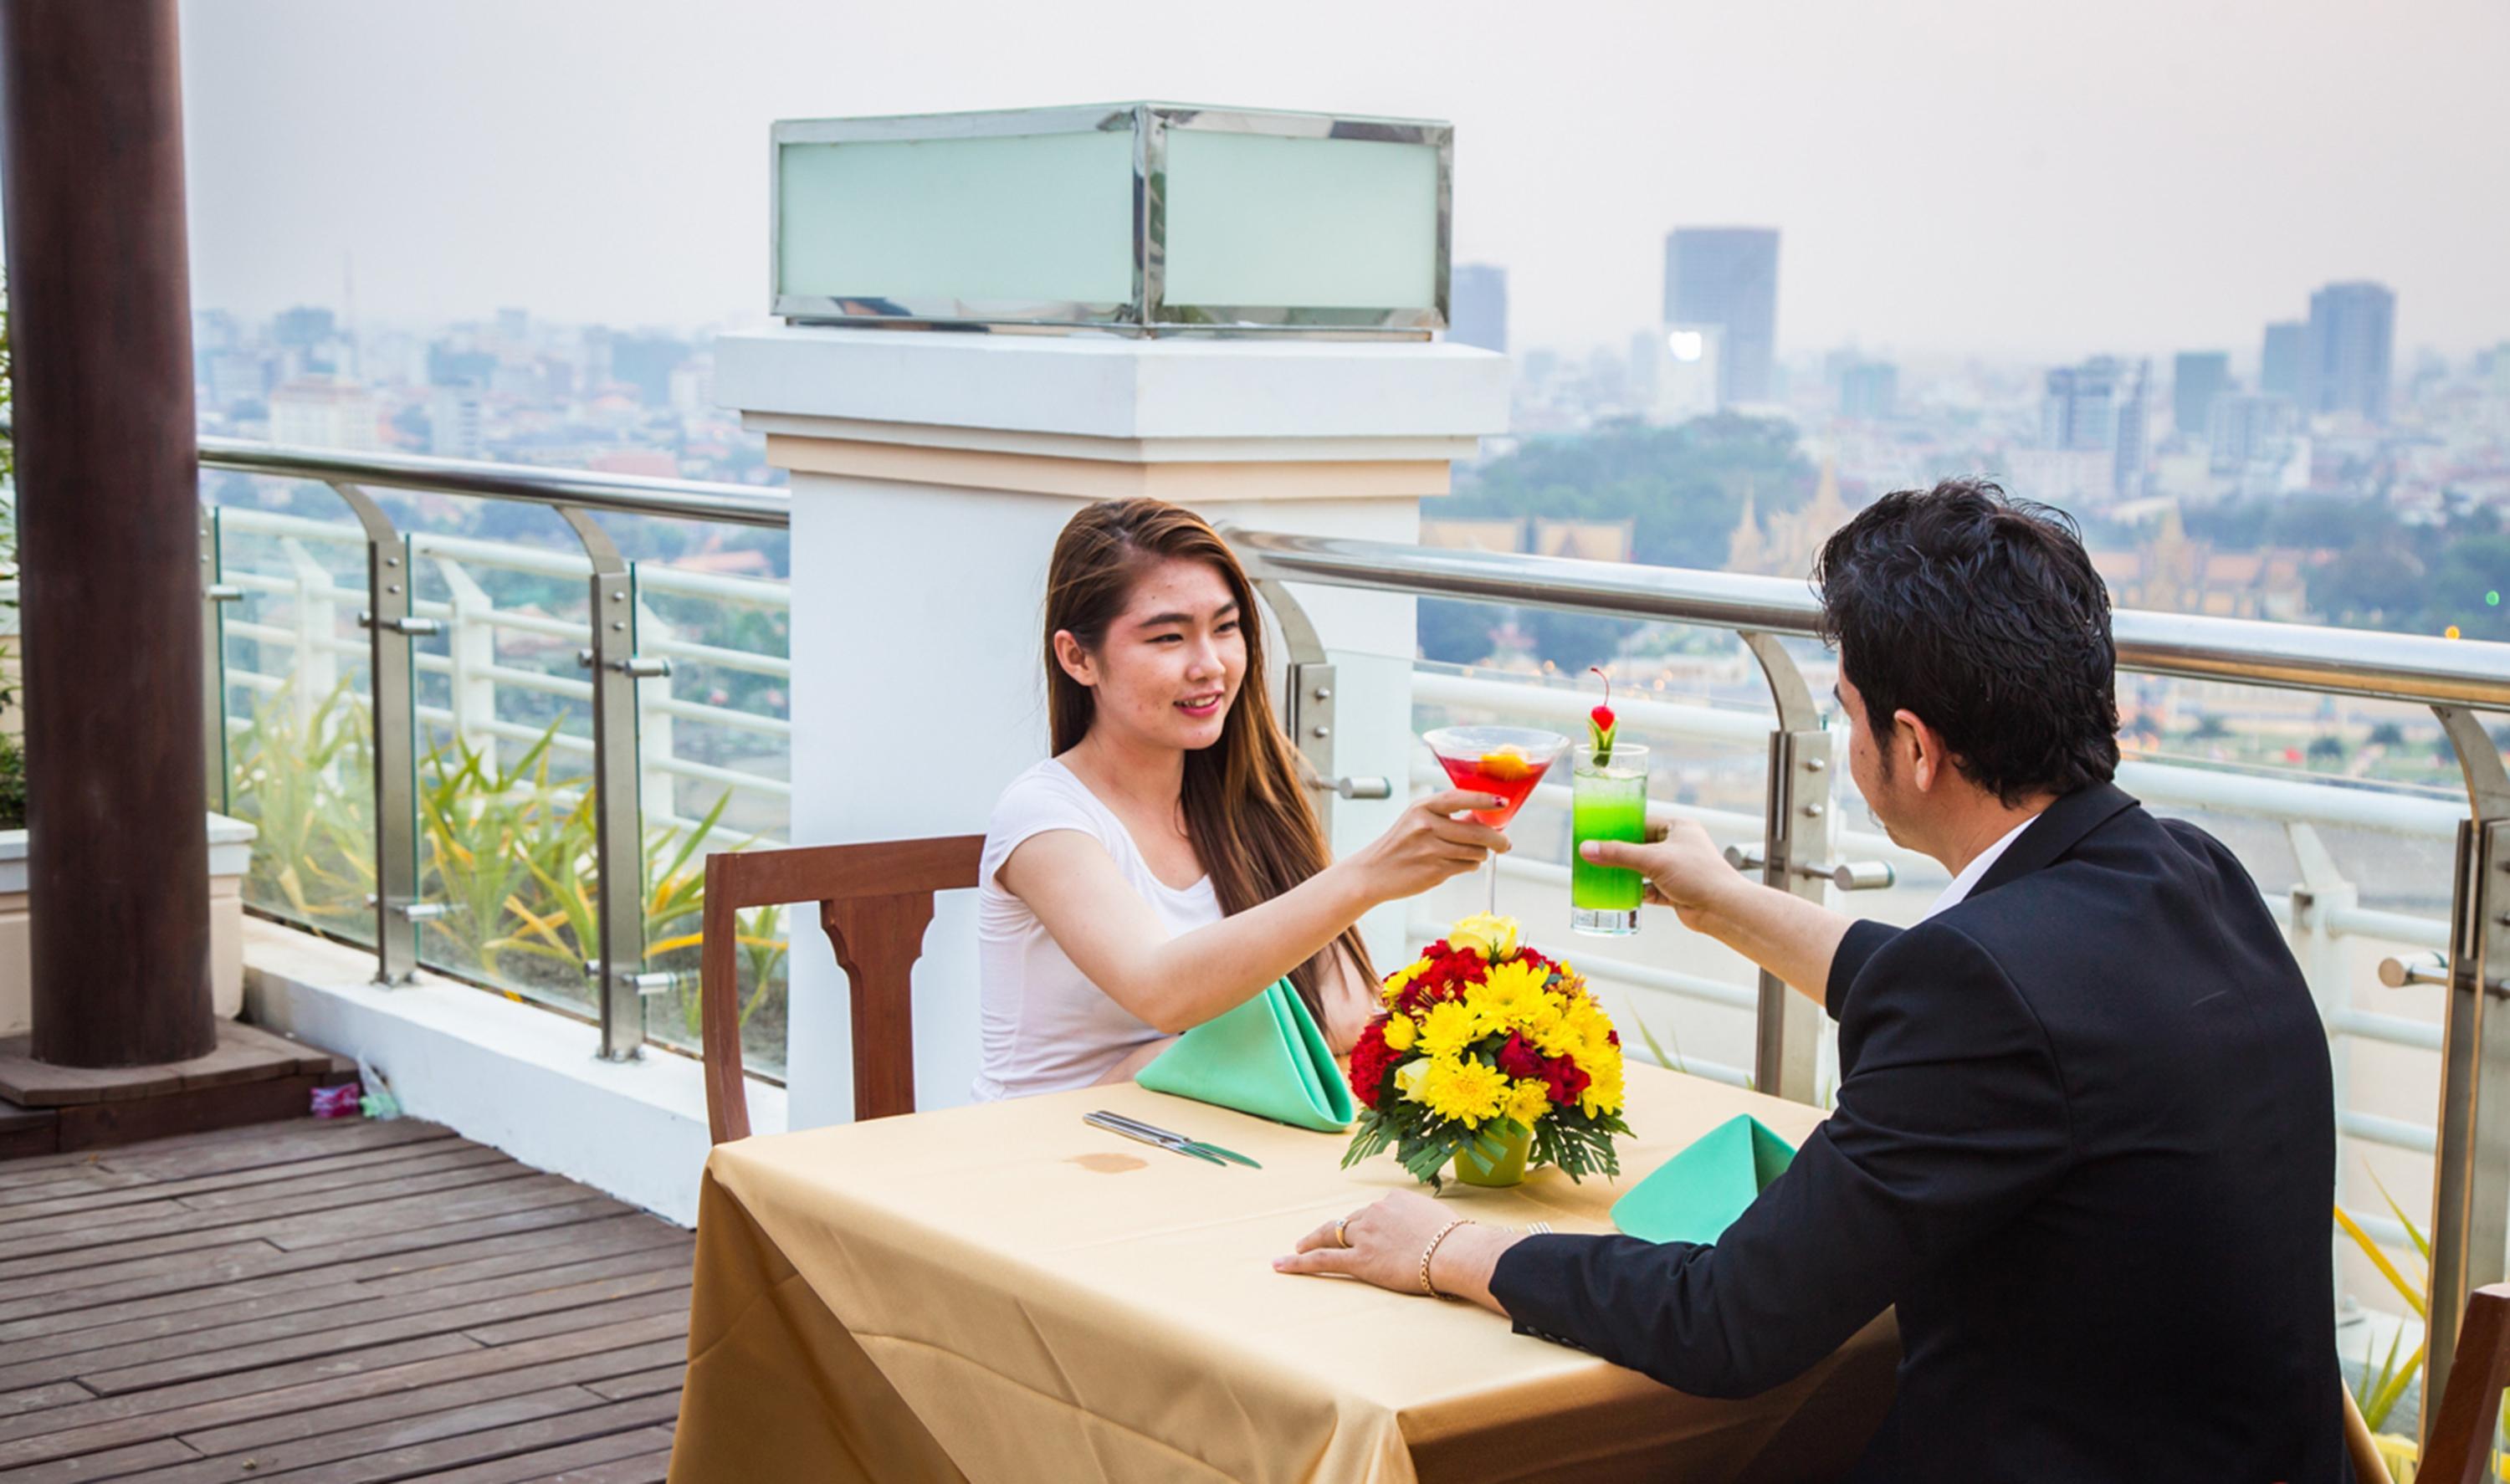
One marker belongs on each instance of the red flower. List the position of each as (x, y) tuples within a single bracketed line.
[(1519, 1059), (1370, 1063), (1564, 1077)]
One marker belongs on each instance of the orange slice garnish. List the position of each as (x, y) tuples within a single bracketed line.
[(1506, 765)]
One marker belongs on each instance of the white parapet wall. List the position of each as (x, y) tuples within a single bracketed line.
[(498, 1072)]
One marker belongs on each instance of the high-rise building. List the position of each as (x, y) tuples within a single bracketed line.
[(2344, 362), (2280, 364), (646, 362), (303, 327), (1728, 276), (317, 413), (1688, 373), (234, 377), (453, 422), (1869, 389), (2197, 378), (2247, 429), (2099, 407), (1477, 299)]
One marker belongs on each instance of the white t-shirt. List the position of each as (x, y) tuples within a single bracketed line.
[(1045, 1027)]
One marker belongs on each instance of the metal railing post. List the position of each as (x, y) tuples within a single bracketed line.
[(1307, 698), (2470, 1230), (1308, 706), (389, 629), (620, 981), (1786, 1050), (214, 670)]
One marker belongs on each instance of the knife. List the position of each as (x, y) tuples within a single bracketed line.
[(1173, 1143), (1116, 1120)]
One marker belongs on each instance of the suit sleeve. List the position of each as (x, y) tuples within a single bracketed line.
[(1951, 1119), (1865, 938)]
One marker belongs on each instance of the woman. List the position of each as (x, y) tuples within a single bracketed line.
[(1163, 866)]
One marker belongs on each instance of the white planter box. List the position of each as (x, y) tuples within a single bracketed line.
[(230, 853)]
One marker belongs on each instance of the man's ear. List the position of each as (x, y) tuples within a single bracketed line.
[(1075, 658), (1927, 757)]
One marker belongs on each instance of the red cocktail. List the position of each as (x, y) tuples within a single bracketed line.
[(1505, 762)]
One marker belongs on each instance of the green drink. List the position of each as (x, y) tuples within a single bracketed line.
[(1609, 802)]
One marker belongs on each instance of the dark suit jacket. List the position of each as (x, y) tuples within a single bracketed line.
[(2084, 1141)]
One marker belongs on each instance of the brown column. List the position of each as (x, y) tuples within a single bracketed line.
[(108, 531)]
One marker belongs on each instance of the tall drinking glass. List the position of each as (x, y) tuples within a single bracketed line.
[(1608, 801)]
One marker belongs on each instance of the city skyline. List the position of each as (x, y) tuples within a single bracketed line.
[(2205, 189)]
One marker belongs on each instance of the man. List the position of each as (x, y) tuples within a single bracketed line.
[(2085, 1131)]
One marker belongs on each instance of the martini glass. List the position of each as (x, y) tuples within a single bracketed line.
[(1505, 762)]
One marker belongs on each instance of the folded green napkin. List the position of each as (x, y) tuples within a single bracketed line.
[(1696, 1195), (1265, 1057)]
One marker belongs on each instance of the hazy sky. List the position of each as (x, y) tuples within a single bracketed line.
[(1998, 176)]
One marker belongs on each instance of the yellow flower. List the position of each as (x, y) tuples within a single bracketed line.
[(1492, 937), (1400, 980), (1471, 1093), (1528, 1100), (1399, 1030), (1508, 995), (1450, 1026), (1407, 1078), (1554, 1033), (1603, 1092)]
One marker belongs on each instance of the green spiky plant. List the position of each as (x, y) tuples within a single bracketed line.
[(484, 826), (304, 785), (2385, 1385)]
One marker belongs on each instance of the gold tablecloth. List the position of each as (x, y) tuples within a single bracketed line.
[(1003, 1292)]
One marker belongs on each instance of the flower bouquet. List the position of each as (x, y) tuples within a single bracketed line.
[(1489, 1054)]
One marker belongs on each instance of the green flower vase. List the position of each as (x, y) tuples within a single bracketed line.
[(1509, 1168)]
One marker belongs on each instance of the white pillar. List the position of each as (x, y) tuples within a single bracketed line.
[(470, 643), (930, 474), (655, 791), (316, 668)]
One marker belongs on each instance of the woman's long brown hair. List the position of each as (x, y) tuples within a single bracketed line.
[(1246, 812)]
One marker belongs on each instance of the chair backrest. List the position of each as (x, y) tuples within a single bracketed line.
[(2459, 1450), (875, 901)]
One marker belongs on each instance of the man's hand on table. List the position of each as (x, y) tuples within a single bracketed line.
[(1384, 1243)]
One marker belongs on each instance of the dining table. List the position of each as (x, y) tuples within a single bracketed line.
[(1003, 1291)]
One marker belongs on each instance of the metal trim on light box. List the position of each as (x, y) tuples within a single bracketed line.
[(1148, 314), (1184, 481), (1226, 449)]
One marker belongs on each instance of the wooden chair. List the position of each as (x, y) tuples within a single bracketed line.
[(2460, 1448), (875, 901)]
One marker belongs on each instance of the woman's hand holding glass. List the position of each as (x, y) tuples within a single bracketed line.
[(1429, 844)]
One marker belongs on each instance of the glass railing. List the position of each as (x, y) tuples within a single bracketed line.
[(488, 863)]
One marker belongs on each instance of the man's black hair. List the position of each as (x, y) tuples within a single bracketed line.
[(1982, 615)]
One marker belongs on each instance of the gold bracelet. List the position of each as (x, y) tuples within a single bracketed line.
[(1431, 1250)]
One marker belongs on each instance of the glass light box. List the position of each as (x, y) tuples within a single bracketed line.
[(1146, 217)]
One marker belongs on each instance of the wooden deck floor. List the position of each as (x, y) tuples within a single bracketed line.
[(325, 1303)]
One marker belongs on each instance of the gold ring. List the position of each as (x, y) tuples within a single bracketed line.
[(1341, 1237)]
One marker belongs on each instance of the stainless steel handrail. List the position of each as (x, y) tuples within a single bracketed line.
[(2348, 661), (616, 494), (2351, 662)]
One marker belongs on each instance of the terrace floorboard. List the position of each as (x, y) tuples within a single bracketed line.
[(313, 1301)]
